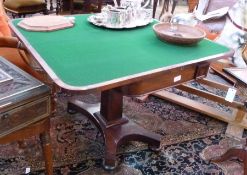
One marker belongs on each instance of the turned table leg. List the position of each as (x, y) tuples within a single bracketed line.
[(46, 146)]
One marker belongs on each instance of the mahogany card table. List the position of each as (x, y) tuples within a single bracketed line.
[(117, 63)]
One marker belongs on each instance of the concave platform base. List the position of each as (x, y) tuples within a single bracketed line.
[(115, 132)]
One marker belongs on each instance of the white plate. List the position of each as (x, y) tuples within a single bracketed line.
[(137, 23)]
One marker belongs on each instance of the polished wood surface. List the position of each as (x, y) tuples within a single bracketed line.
[(167, 79)]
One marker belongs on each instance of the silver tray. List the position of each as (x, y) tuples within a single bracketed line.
[(137, 23)]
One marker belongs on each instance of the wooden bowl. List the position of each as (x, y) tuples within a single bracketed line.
[(178, 33)]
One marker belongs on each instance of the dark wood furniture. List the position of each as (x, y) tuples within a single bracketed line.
[(21, 8), (145, 67), (24, 109), (94, 6), (79, 6), (85, 6)]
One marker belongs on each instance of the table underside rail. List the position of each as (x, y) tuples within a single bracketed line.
[(169, 78)]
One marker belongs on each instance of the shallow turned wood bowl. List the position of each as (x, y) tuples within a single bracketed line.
[(178, 33)]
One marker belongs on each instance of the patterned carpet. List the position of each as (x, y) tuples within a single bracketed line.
[(189, 140)]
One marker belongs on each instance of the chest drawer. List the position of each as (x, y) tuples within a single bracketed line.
[(24, 115)]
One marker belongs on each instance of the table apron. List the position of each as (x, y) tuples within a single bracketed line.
[(166, 79)]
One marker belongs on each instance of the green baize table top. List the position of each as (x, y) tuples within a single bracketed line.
[(86, 54)]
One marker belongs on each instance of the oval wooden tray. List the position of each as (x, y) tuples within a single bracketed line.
[(178, 33)]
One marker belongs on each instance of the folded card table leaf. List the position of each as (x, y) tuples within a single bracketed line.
[(87, 58)]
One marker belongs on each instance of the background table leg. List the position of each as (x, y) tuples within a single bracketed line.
[(46, 146)]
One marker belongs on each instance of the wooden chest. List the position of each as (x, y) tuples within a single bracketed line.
[(23, 99)]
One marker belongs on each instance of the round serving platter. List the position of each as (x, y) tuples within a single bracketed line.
[(138, 23)]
